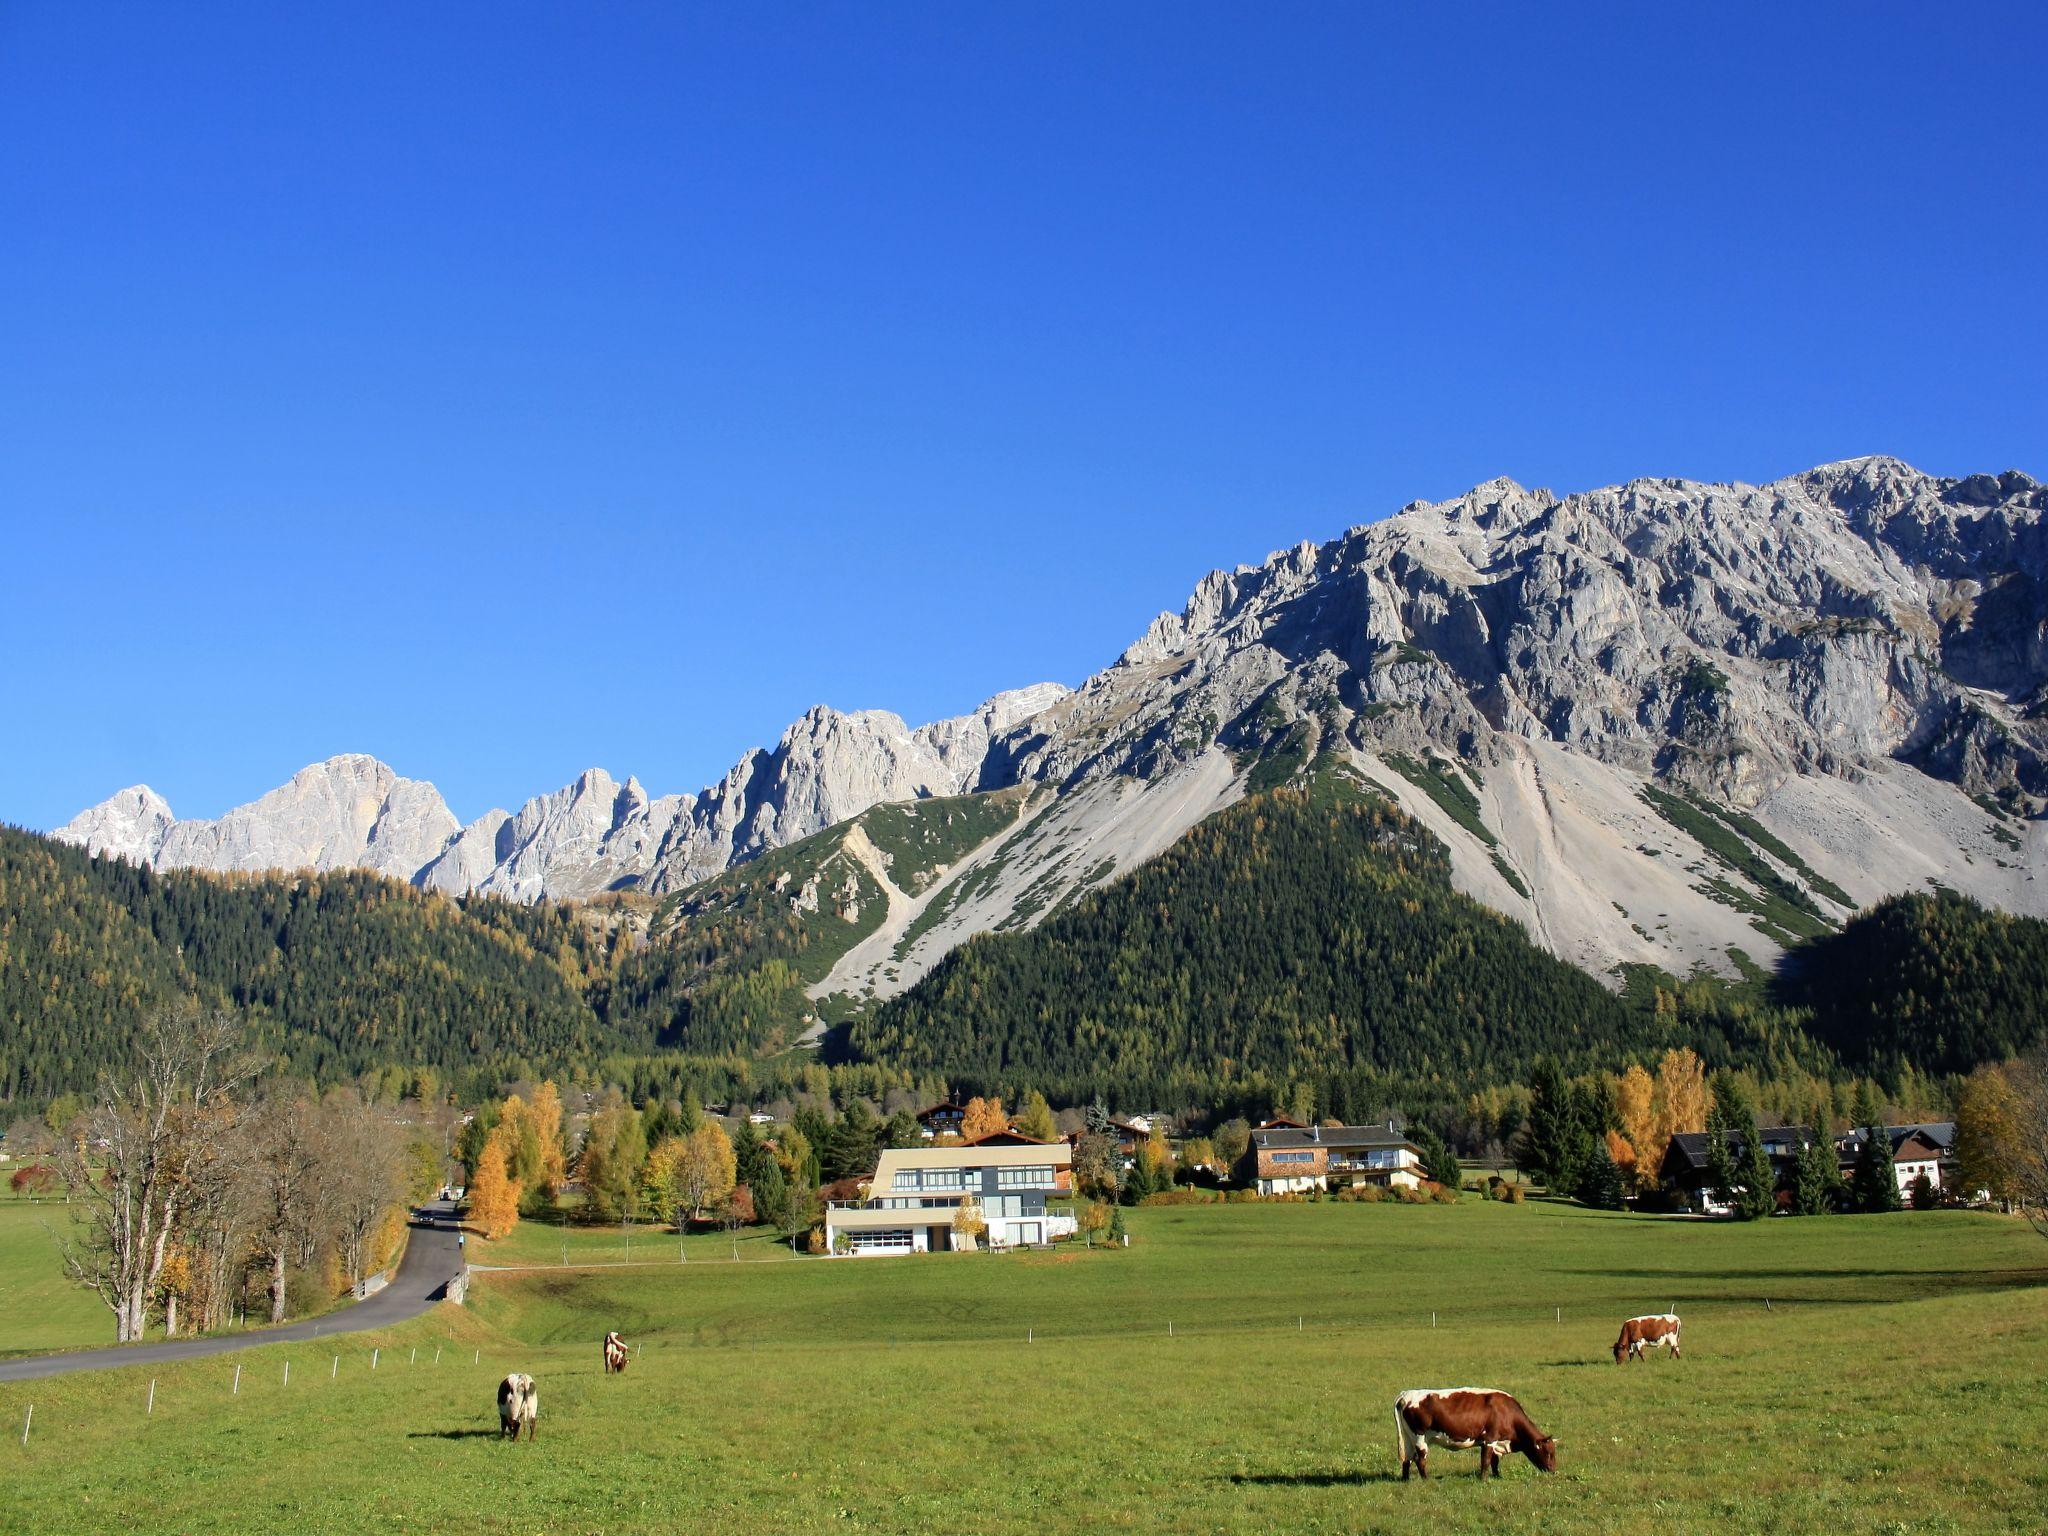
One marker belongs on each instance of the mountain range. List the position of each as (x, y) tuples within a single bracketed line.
[(1666, 723)]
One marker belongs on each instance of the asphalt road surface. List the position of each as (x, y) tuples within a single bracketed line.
[(433, 1257)]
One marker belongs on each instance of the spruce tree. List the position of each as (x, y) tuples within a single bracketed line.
[(1875, 1182), (1600, 1181), (1554, 1140), (1439, 1164), (1815, 1176)]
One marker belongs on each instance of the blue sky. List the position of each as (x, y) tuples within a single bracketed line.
[(503, 390)]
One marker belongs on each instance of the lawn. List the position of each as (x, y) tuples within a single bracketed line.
[(1232, 1371), (39, 1309)]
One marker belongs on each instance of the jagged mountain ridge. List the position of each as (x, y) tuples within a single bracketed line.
[(1658, 722), (592, 835)]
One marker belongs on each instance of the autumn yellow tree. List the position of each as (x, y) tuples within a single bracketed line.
[(1635, 1107), (1680, 1103), (493, 1192), (1036, 1120), (984, 1117), (533, 1132), (1990, 1113), (705, 1168), (1158, 1158)]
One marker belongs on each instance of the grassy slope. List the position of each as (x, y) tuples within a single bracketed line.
[(39, 1310), (1895, 1382)]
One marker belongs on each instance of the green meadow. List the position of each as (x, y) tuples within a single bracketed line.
[(39, 1309), (1232, 1371)]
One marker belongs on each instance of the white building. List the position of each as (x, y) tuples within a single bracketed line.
[(917, 1191)]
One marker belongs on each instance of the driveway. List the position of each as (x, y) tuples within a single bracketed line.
[(433, 1257)]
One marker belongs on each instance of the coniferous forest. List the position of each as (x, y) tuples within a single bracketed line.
[(1307, 936)]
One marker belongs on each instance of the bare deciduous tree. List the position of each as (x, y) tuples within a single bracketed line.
[(128, 1159)]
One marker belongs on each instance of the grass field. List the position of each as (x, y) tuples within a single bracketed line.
[(1893, 1383), (39, 1309)]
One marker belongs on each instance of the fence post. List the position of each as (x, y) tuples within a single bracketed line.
[(149, 1409), (334, 1370), (1169, 1327), (28, 1420), (373, 1356), (236, 1389), (437, 1354), (1432, 1319), (1560, 1314), (287, 1373), (415, 1360)]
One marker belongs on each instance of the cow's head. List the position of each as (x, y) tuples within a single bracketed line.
[(1620, 1349), (1544, 1453)]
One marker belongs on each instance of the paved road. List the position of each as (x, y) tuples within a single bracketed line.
[(432, 1258)]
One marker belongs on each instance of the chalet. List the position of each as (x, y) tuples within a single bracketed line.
[(1281, 1160), (1685, 1176), (916, 1192), (942, 1120), (1918, 1151)]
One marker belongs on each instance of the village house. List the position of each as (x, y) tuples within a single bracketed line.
[(1918, 1151), (1684, 1176), (942, 1120), (917, 1191), (1286, 1160)]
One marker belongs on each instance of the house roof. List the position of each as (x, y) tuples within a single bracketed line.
[(1330, 1136), (1922, 1138), (942, 1109), (1008, 1139), (1693, 1145), (1030, 1155)]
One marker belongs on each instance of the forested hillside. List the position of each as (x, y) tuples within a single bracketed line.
[(1306, 931), (1937, 981), (338, 972)]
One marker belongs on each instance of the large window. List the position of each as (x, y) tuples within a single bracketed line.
[(1023, 1178), (1294, 1157), (891, 1240), (927, 1178)]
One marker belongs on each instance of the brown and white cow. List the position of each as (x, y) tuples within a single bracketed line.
[(1641, 1333), (615, 1354), (518, 1405), (1464, 1417)]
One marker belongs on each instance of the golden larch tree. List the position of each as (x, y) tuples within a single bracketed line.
[(493, 1192), (1635, 1106), (984, 1118)]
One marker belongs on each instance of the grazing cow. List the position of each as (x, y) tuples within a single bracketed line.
[(614, 1354), (518, 1404), (1464, 1417), (1641, 1333)]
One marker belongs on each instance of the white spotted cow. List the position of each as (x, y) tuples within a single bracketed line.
[(1467, 1417), (518, 1406), (1641, 1333)]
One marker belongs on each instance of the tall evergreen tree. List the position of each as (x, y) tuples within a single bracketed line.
[(1600, 1181), (1874, 1184), (1815, 1177)]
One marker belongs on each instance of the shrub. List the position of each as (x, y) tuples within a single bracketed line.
[(1443, 1194)]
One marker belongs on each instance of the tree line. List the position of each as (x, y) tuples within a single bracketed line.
[(198, 1187)]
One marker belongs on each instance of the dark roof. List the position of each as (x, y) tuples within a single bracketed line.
[(1937, 1136), (942, 1109), (1331, 1136), (1008, 1139), (1693, 1144), (1281, 1123)]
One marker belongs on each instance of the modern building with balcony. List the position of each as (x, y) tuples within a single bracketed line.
[(1291, 1160), (917, 1191)]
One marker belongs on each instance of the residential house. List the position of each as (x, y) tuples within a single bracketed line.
[(1283, 1160), (942, 1120), (1685, 1177), (1918, 1151), (916, 1192)]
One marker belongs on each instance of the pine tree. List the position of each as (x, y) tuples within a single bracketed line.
[(1439, 1164), (1875, 1181), (1137, 1180), (1815, 1177), (1558, 1139), (1037, 1121), (1600, 1182)]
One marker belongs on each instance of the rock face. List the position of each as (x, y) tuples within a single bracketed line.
[(350, 812), (1849, 667), (592, 835), (1720, 636)]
